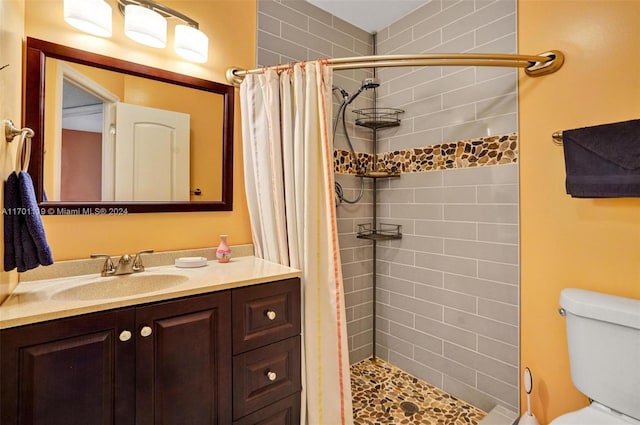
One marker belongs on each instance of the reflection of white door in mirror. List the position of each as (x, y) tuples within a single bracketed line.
[(151, 153)]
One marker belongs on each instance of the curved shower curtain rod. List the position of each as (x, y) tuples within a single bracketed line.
[(542, 64)]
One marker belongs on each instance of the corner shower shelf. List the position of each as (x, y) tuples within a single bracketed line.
[(384, 232), (379, 174), (375, 118)]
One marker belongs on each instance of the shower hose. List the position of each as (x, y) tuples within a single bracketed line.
[(340, 198)]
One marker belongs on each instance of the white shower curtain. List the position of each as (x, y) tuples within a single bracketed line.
[(288, 166)]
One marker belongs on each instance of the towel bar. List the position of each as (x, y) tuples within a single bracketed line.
[(11, 131), (557, 138)]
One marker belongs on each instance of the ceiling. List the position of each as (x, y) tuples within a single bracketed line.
[(369, 15)]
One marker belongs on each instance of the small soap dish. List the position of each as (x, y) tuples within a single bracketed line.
[(189, 262)]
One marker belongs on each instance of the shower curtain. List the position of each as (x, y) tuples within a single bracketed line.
[(288, 166)]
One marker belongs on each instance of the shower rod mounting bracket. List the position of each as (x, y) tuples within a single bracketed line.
[(538, 69)]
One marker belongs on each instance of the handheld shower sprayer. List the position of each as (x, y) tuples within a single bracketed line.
[(342, 91), (370, 83), (367, 84)]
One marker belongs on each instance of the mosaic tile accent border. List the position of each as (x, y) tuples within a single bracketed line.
[(384, 394), (344, 162), (492, 150)]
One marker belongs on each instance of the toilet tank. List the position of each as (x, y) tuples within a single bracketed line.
[(603, 335)]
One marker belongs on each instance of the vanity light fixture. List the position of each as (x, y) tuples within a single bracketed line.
[(146, 28), (91, 16), (145, 22)]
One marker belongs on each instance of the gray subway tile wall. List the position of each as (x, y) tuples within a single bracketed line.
[(448, 291), (471, 286), (465, 102)]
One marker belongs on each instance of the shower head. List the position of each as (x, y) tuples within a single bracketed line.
[(367, 83), (370, 83)]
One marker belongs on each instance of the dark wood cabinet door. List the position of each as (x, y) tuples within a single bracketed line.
[(183, 361), (74, 371)]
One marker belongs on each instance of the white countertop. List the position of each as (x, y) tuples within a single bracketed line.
[(42, 300)]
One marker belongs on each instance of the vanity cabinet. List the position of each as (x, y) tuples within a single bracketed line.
[(172, 363)]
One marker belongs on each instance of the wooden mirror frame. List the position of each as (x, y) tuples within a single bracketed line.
[(36, 54)]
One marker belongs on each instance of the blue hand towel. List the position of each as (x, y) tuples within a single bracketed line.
[(603, 161), (11, 208), (35, 249)]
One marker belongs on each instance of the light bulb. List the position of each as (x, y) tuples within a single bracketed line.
[(145, 26), (191, 43), (90, 16)]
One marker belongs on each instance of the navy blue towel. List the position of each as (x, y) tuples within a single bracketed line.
[(603, 161), (11, 209), (25, 244), (35, 249)]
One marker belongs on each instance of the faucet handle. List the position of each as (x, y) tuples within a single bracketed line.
[(108, 266), (137, 261)]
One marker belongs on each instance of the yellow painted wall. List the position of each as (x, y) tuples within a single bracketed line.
[(231, 27), (585, 243), (11, 30)]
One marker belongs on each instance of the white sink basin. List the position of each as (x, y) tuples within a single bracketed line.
[(120, 286)]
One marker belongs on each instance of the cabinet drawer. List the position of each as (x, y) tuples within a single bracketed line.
[(283, 412), (263, 314), (265, 375)]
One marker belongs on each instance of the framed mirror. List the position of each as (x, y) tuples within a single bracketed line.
[(116, 137)]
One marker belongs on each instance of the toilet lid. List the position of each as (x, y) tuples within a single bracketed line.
[(593, 415)]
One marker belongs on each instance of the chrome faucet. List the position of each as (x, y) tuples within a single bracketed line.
[(125, 265)]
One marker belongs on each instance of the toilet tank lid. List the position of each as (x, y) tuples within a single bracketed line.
[(599, 306)]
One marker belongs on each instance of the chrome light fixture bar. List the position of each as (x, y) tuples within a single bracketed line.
[(145, 22)]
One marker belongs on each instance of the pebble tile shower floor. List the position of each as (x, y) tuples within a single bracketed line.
[(384, 394)]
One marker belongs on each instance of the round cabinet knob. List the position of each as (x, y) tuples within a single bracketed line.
[(146, 331), (125, 336), (271, 314), (271, 376)]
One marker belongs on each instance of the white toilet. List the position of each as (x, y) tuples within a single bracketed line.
[(603, 333)]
